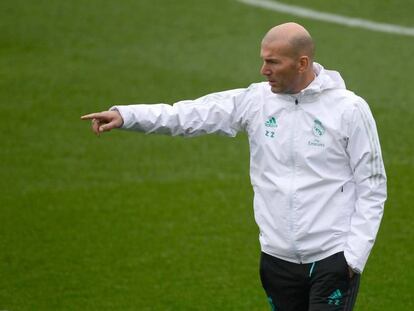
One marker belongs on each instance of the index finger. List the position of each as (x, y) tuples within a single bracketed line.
[(91, 116)]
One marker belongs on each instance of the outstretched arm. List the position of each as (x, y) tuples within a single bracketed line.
[(221, 113), (104, 121)]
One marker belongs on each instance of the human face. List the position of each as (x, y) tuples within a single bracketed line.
[(280, 67)]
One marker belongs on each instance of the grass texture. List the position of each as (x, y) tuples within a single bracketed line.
[(135, 222)]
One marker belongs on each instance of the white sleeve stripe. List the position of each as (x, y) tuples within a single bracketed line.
[(376, 159)]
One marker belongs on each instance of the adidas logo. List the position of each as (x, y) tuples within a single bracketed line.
[(335, 298), (336, 295), (271, 122)]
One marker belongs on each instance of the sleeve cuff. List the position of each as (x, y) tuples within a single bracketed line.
[(353, 266), (125, 114)]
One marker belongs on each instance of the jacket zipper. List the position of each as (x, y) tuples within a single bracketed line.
[(292, 186)]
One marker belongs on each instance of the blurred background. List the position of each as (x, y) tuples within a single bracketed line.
[(128, 221)]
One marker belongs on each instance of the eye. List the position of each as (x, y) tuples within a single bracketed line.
[(272, 61)]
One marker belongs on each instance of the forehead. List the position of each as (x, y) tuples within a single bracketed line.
[(275, 49)]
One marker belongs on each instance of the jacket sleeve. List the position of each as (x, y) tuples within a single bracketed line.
[(222, 113), (369, 174)]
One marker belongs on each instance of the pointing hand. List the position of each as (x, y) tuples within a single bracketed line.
[(104, 121)]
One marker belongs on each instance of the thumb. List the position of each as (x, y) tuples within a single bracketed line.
[(105, 128)]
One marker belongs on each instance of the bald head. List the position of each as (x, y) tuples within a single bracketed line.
[(287, 52), (293, 34)]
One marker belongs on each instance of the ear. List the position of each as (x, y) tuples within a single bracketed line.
[(303, 64)]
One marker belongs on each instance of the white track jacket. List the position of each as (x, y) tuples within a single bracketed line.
[(315, 162)]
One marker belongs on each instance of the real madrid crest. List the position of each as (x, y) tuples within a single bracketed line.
[(318, 129)]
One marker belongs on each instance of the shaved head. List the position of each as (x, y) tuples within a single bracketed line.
[(298, 38), (287, 51)]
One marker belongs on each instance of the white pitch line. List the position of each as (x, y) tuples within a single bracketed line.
[(332, 18)]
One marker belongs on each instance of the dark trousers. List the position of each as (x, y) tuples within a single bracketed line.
[(324, 285)]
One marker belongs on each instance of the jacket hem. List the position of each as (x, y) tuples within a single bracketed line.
[(304, 259)]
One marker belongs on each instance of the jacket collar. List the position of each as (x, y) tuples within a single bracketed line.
[(324, 80)]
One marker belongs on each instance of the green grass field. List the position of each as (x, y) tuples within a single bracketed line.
[(134, 222)]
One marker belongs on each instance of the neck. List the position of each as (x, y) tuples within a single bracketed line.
[(307, 79)]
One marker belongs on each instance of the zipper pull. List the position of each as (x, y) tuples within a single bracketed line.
[(296, 101)]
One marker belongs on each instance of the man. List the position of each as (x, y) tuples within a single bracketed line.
[(316, 168)]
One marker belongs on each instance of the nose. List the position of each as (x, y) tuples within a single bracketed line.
[(265, 71)]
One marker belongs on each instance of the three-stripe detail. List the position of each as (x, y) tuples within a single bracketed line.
[(376, 164)]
